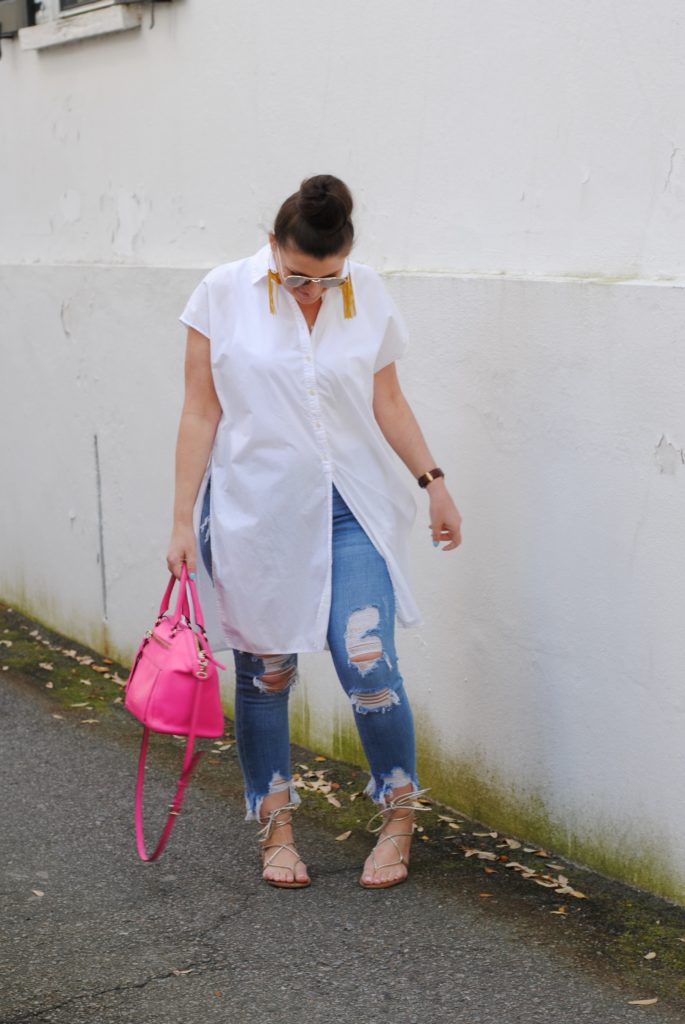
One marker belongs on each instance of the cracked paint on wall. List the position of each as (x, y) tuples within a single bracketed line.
[(667, 457)]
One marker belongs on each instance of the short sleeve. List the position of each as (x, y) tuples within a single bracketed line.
[(395, 339), (196, 312)]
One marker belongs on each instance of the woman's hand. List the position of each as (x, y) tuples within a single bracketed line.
[(445, 521), (182, 548)]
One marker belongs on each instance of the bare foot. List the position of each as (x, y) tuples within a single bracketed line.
[(388, 862), (282, 863)]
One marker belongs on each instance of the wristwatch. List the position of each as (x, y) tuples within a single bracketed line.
[(428, 478)]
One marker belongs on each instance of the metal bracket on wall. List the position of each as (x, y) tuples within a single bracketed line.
[(7, 35), (152, 7)]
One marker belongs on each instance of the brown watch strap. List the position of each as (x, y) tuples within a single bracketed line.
[(429, 477)]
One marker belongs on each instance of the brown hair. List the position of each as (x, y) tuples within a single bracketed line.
[(316, 219)]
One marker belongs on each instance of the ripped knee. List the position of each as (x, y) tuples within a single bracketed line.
[(362, 642), (279, 672), (365, 701)]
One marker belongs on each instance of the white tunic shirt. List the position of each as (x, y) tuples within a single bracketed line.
[(296, 416)]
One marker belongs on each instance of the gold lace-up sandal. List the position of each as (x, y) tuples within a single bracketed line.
[(408, 802), (273, 822)]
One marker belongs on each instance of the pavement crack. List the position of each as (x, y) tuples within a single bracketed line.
[(198, 967), (245, 904)]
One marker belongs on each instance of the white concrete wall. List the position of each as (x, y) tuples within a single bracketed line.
[(519, 175)]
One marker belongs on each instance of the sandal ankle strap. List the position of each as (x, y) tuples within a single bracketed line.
[(271, 823), (405, 801)]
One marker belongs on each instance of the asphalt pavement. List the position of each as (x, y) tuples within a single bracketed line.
[(91, 935)]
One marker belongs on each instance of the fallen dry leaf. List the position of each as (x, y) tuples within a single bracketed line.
[(643, 1002), (108, 661), (58, 716), (334, 800), (177, 972), (445, 817), (49, 685), (46, 665), (556, 867), (86, 682), (490, 871), (82, 704), (453, 825), (650, 956), (353, 796), (320, 758), (567, 890), (492, 835), (90, 721), (118, 700), (561, 910), (484, 895), (5, 643), (38, 892), (98, 668), (343, 836)]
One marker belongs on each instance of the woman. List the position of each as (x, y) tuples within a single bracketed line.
[(291, 402)]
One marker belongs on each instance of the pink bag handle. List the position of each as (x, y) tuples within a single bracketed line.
[(182, 606)]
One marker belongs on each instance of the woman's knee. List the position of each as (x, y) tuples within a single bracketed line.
[(269, 673)]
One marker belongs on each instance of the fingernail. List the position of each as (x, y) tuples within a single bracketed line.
[(436, 543), (191, 575)]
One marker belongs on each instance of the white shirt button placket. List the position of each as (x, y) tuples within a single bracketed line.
[(311, 384)]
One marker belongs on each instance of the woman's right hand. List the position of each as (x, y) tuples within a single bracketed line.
[(182, 548)]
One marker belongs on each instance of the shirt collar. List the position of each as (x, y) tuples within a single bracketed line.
[(260, 264)]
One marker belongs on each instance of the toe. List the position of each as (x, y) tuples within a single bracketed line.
[(301, 874)]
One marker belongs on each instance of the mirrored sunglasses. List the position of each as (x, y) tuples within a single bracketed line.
[(296, 281)]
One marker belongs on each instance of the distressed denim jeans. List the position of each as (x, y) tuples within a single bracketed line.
[(362, 644)]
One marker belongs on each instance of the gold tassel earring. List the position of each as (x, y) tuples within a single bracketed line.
[(273, 279), (349, 307)]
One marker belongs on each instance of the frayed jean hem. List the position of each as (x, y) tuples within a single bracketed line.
[(253, 801), (380, 790)]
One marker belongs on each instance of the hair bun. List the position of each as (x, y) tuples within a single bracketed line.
[(325, 202), (317, 219)]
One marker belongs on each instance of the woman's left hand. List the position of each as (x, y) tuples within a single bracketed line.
[(445, 521)]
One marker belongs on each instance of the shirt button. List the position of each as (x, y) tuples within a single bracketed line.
[(312, 391)]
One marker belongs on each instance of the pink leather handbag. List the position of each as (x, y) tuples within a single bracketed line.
[(173, 687)]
